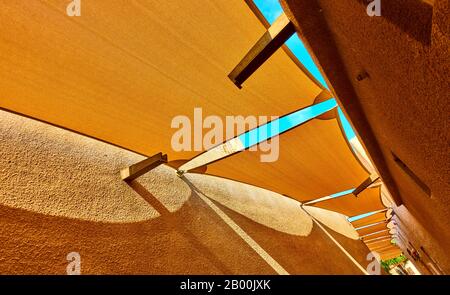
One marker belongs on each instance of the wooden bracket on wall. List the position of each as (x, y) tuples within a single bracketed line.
[(366, 183), (280, 31), (140, 168)]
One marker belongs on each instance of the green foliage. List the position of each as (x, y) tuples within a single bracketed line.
[(393, 261)]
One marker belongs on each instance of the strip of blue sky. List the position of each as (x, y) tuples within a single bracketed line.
[(282, 124), (354, 218), (346, 125), (271, 9), (340, 194)]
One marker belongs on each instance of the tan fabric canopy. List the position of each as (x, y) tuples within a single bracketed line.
[(122, 70), (377, 217), (386, 255), (367, 201), (378, 240), (384, 248), (374, 236), (373, 229), (371, 240), (391, 249), (388, 250), (314, 161), (334, 221), (379, 244)]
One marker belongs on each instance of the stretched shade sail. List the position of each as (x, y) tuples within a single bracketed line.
[(314, 160), (367, 201), (123, 70), (373, 229), (377, 217), (379, 235), (337, 222), (380, 244), (390, 255)]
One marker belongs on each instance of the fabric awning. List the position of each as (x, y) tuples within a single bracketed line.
[(123, 70), (377, 217), (379, 244), (368, 200), (378, 236), (314, 161), (373, 229), (390, 254)]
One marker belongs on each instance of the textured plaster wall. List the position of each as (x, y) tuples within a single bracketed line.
[(61, 192), (417, 236), (401, 107)]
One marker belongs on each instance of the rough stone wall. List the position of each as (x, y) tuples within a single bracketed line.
[(61, 192)]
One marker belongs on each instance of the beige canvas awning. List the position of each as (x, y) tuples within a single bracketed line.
[(373, 229), (367, 201), (384, 233), (388, 251), (124, 69), (314, 161), (392, 253), (379, 244), (377, 217), (371, 242), (392, 248)]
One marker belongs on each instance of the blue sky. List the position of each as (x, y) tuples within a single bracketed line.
[(285, 123), (271, 9), (351, 219)]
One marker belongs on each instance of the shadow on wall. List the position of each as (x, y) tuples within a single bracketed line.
[(175, 221), (192, 240), (52, 171), (61, 192)]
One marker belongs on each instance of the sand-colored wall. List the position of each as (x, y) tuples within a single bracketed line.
[(400, 108), (415, 236), (61, 192)]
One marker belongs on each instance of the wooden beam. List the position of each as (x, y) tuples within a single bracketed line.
[(366, 183), (280, 31), (140, 168)]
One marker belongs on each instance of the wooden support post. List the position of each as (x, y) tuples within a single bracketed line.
[(280, 31), (366, 183), (138, 169)]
